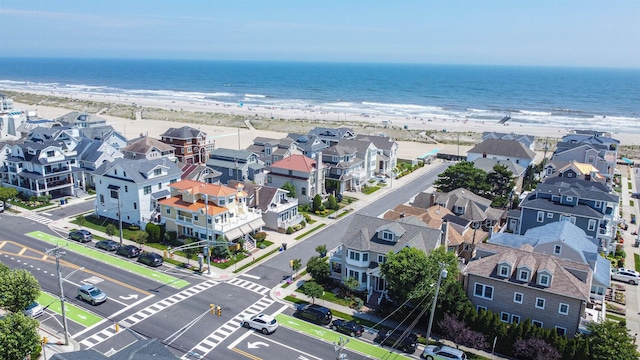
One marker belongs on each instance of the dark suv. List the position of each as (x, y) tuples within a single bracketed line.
[(150, 259), (129, 251), (314, 313), (408, 343)]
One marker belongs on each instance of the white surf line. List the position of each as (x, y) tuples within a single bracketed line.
[(251, 276)]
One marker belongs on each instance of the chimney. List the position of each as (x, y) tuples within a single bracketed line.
[(256, 193), (432, 199)]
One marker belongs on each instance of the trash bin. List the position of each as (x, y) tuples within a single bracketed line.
[(61, 201), (284, 246)]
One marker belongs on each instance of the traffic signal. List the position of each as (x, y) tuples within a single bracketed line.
[(213, 309), (219, 310)]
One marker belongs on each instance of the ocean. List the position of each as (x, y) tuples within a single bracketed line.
[(600, 99)]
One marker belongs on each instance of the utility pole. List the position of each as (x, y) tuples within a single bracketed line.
[(119, 217), (442, 275), (209, 243), (58, 252), (339, 346)]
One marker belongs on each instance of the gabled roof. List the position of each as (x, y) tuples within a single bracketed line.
[(563, 281), (137, 170), (499, 147), (339, 150), (185, 132), (222, 153), (264, 193), (197, 187), (72, 117), (487, 165), (585, 189), (145, 144), (380, 141), (296, 162), (359, 145), (177, 202), (508, 136)]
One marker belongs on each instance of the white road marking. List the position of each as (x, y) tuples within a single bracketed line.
[(251, 276)]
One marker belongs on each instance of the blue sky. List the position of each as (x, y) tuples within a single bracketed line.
[(501, 32)]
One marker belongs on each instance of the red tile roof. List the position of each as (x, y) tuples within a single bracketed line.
[(177, 202), (296, 163), (197, 187)]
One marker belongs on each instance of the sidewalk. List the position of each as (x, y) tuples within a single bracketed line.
[(55, 343)]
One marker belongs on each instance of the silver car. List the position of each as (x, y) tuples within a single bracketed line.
[(625, 275), (91, 294)]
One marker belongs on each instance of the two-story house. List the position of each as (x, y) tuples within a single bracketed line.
[(279, 210), (520, 284), (587, 204), (366, 151), (308, 145), (239, 165), (367, 242), (500, 149), (6, 103), (272, 150), (528, 141), (601, 156), (81, 119), (331, 136), (133, 189), (91, 154), (344, 171), (208, 211), (387, 149), (191, 145), (146, 148), (567, 241), (304, 173), (573, 169), (37, 169)]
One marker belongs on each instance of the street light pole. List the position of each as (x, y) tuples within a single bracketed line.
[(58, 252), (209, 243), (442, 275), (119, 217)]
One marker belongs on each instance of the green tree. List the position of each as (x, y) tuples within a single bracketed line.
[(312, 290), (322, 250), (501, 182), (317, 203), (140, 237), (318, 268), (221, 248), (7, 193), (81, 220), (297, 265), (290, 188), (463, 175), (189, 253), (111, 230), (18, 289), (333, 203), (610, 340), (402, 269), (154, 232), (18, 336), (351, 284)]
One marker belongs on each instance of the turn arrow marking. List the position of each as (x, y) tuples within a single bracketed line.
[(256, 345), (135, 296)]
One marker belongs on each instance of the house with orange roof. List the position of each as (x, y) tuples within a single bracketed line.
[(302, 172), (207, 211)]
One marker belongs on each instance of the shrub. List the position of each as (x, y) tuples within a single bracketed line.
[(317, 203), (172, 236), (307, 218), (333, 203), (289, 230), (154, 232), (303, 223), (260, 236), (134, 227), (262, 246)]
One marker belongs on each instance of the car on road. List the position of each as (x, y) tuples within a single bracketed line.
[(81, 236), (261, 322), (150, 259), (635, 195), (91, 294), (432, 352), (625, 275), (314, 313), (398, 339), (34, 310), (108, 245), (350, 327), (129, 251)]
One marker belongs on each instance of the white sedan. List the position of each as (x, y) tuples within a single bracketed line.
[(629, 276), (261, 322)]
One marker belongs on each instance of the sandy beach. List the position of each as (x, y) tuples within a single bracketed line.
[(452, 136)]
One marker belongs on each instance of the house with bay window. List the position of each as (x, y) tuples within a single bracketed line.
[(207, 211), (367, 242)]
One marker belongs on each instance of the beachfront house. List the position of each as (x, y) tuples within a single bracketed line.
[(6, 103), (305, 174), (590, 148), (331, 136), (192, 146), (500, 149), (344, 170), (133, 189), (208, 211), (279, 210), (366, 151), (37, 169), (308, 145), (573, 169), (147, 148), (81, 119), (271, 150), (365, 246), (589, 205), (10, 121), (387, 152), (239, 165), (528, 141), (520, 284), (105, 133)]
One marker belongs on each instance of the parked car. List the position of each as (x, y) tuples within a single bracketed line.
[(91, 294), (314, 313), (261, 322), (108, 245), (150, 259), (129, 251), (81, 236), (635, 195), (398, 339), (625, 275), (34, 310), (433, 352), (350, 327)]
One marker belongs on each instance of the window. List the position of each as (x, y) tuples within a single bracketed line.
[(195, 217), (569, 198), (544, 280), (517, 297), (50, 153), (135, 206), (159, 185), (172, 181), (504, 270), (540, 216), (560, 330), (570, 219), (523, 275), (230, 172), (386, 235), (147, 189), (540, 303), (592, 225), (269, 180), (481, 308), (114, 194), (557, 250), (549, 215), (381, 259), (101, 199), (124, 173), (515, 319), (222, 201), (168, 210), (363, 278), (126, 188), (365, 257), (504, 317), (563, 309), (598, 204), (354, 274), (536, 323), (353, 255), (303, 191), (267, 151), (483, 291)]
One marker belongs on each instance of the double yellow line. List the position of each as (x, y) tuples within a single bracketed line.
[(250, 356)]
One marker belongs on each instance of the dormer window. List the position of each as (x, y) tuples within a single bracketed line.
[(267, 151), (458, 210), (570, 198), (50, 153), (157, 172), (387, 235), (503, 270), (544, 280), (523, 275), (557, 250)]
